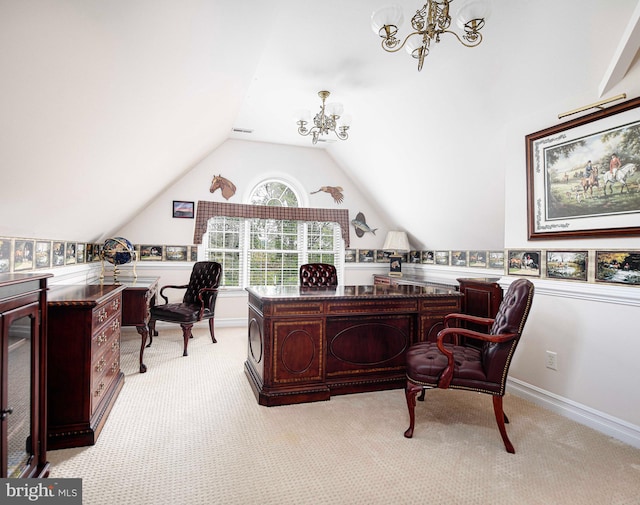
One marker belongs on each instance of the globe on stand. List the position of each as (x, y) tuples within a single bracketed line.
[(118, 251)]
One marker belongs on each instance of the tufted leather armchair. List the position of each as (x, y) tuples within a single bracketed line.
[(318, 275), (198, 303), (461, 365)]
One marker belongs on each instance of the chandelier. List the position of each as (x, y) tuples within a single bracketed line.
[(324, 121), (428, 24)]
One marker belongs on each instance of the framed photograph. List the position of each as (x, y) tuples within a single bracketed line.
[(459, 258), (70, 253), (193, 250), (150, 253), (442, 257), (80, 253), (382, 256), (524, 263), (496, 259), (366, 256), (478, 259), (5, 255), (415, 257), (176, 252), (43, 254), (620, 267), (23, 257), (428, 257), (57, 258), (583, 177), (567, 265), (350, 256), (183, 209)]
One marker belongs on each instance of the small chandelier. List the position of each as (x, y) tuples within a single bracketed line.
[(428, 24), (324, 121)]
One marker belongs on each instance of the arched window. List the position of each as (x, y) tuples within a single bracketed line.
[(270, 251)]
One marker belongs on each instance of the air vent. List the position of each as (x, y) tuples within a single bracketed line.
[(241, 130)]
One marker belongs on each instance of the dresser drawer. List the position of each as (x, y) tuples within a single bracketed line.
[(104, 337), (105, 311)]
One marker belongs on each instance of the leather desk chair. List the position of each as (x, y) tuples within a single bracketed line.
[(459, 365), (318, 275), (198, 303)]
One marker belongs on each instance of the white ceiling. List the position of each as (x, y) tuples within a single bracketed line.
[(124, 97)]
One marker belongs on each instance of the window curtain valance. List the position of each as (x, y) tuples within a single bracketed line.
[(207, 210)]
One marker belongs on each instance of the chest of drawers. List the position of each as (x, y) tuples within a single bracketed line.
[(83, 362)]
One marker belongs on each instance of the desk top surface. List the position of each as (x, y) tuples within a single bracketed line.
[(350, 292)]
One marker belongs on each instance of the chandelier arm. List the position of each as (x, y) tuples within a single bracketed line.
[(393, 49), (476, 40)]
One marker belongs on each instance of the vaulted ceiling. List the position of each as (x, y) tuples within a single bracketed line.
[(105, 104)]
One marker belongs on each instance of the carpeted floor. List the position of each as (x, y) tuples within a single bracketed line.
[(190, 432)]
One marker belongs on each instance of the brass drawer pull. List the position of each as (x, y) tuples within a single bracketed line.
[(101, 339), (115, 366), (100, 366), (115, 345), (100, 390), (102, 315), (115, 325)]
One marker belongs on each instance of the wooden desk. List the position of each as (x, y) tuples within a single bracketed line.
[(306, 344), (137, 299), (83, 361)]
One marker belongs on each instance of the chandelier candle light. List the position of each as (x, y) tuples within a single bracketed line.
[(325, 121), (428, 24)]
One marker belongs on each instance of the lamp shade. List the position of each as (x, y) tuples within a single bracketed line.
[(387, 16), (396, 241), (473, 9)]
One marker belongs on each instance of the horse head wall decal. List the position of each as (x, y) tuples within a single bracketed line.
[(227, 188)]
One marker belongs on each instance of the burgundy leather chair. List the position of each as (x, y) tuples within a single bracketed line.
[(198, 303), (460, 365), (318, 275)]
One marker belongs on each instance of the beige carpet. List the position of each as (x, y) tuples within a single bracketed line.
[(190, 431)]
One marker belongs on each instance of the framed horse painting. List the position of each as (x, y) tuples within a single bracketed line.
[(583, 176)]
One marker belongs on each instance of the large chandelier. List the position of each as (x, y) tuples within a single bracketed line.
[(428, 24), (324, 121)]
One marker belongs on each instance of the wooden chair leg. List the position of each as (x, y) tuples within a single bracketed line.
[(500, 419), (411, 391), (152, 331), (213, 336), (186, 335)]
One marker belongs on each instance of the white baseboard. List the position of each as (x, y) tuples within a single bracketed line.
[(599, 421)]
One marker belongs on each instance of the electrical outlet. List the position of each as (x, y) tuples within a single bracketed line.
[(552, 360)]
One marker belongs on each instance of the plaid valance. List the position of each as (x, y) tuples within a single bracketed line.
[(207, 210)]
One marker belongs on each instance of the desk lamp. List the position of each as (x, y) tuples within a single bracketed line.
[(396, 242)]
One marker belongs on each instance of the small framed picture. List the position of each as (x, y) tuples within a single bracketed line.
[(459, 258), (5, 255), (619, 267), (524, 263), (478, 259), (415, 257), (70, 253), (80, 253), (176, 252), (43, 254), (365, 256), (442, 257), (150, 253), (567, 265), (350, 256), (382, 256), (428, 257), (496, 259), (58, 254), (23, 255), (193, 250), (183, 209)]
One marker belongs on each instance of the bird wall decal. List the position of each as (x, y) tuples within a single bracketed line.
[(334, 191)]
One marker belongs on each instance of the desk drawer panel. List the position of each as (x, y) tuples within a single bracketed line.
[(372, 306), (297, 309), (444, 305), (103, 312), (105, 337)]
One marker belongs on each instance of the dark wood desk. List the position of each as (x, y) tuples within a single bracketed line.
[(306, 344), (137, 299)]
